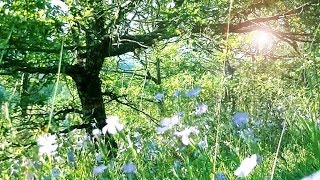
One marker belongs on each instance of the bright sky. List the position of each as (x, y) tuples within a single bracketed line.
[(60, 4)]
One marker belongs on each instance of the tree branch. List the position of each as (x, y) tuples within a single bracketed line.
[(15, 65), (115, 97)]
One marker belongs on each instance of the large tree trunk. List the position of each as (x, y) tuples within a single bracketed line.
[(89, 89)]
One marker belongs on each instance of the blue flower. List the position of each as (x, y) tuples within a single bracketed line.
[(99, 169), (129, 168), (55, 172), (220, 176), (159, 97), (193, 92), (71, 156), (202, 108), (203, 144), (240, 119)]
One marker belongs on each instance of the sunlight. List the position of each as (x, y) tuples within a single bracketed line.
[(262, 40)]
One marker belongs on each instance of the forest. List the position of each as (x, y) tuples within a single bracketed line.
[(160, 89)]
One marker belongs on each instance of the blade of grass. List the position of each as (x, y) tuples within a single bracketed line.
[(55, 88), (278, 150)]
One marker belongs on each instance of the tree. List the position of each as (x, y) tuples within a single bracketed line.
[(85, 35)]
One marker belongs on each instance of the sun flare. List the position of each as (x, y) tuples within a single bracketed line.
[(262, 40)]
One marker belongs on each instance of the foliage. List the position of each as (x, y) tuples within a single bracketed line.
[(177, 73)]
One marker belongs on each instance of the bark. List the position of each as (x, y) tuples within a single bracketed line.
[(89, 89), (90, 93)]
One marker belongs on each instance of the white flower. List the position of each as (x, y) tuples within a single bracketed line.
[(113, 125), (314, 176), (184, 135), (171, 5), (161, 130), (167, 123), (129, 168), (99, 169), (159, 97), (240, 119), (201, 109), (193, 92), (318, 122), (47, 144), (246, 166), (96, 132)]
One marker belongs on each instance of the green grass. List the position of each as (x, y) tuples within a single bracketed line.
[(163, 156)]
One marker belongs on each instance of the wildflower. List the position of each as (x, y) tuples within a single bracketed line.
[(246, 166), (313, 176), (55, 172), (167, 123), (161, 130), (113, 125), (136, 136), (184, 135), (220, 176), (202, 108), (318, 122), (129, 168), (99, 169), (170, 5), (193, 92), (80, 144), (58, 159), (203, 144), (47, 144), (159, 97), (280, 108), (96, 132), (176, 93), (71, 156), (138, 147), (98, 157), (240, 119)]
